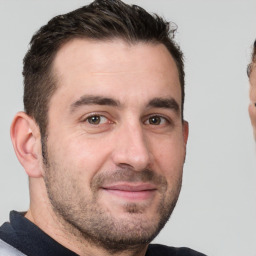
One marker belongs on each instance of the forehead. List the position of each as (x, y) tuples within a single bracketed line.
[(98, 54), (89, 66)]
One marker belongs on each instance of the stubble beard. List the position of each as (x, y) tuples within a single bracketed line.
[(84, 218)]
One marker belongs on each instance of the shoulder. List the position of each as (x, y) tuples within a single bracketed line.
[(8, 250), (163, 250)]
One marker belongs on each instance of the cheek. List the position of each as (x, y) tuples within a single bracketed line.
[(169, 156), (83, 155)]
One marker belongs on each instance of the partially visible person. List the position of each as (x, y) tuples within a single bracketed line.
[(251, 71)]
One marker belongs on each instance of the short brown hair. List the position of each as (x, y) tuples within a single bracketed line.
[(100, 20), (253, 60)]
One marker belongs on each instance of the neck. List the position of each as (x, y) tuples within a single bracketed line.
[(69, 237), (42, 215), (74, 240)]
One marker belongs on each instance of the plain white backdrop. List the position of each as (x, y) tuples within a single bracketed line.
[(216, 211)]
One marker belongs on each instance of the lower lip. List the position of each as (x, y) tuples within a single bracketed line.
[(132, 195)]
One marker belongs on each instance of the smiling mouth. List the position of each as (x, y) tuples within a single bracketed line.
[(132, 192)]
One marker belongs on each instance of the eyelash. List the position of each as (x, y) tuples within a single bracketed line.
[(147, 121), (162, 119), (98, 116)]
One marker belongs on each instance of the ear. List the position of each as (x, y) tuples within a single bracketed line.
[(252, 96), (252, 113), (185, 132), (26, 141), (185, 137)]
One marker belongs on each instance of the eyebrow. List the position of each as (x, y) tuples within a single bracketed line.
[(94, 100), (168, 103)]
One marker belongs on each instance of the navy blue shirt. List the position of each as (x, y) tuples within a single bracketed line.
[(32, 241)]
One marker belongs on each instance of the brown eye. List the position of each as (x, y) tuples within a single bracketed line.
[(95, 120), (155, 120)]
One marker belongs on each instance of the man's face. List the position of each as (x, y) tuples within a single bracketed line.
[(252, 106), (116, 141)]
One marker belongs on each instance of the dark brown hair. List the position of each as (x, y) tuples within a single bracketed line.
[(100, 20), (253, 60)]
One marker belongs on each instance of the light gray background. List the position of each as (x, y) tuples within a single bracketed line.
[(216, 212)]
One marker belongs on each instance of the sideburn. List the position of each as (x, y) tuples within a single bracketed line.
[(44, 139)]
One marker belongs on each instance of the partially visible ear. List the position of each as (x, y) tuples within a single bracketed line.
[(185, 132), (252, 113), (252, 96), (26, 141), (185, 137)]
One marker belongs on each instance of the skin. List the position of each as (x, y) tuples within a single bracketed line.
[(252, 108), (116, 147)]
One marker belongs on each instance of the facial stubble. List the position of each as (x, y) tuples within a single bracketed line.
[(83, 217)]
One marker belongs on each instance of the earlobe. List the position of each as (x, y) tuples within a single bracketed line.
[(25, 137)]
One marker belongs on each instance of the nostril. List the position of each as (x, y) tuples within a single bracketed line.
[(125, 166)]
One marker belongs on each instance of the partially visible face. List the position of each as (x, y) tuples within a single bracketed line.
[(252, 106), (116, 142)]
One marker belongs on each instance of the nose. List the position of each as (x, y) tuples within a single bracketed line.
[(132, 149)]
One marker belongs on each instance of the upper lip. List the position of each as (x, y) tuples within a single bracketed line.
[(131, 187)]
